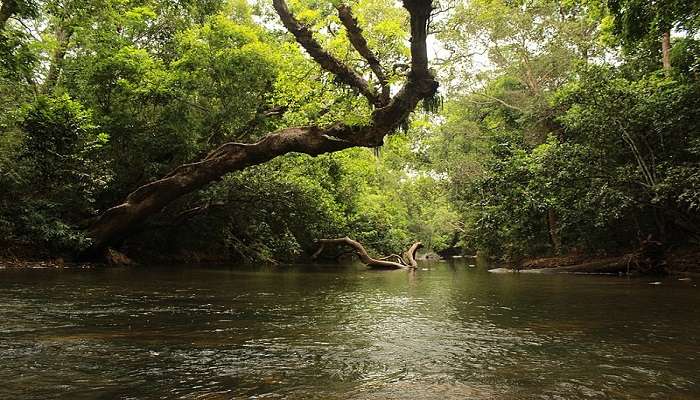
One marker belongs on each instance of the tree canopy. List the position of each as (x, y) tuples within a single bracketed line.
[(232, 129)]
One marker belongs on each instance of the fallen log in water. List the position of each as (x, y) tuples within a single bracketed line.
[(608, 265), (407, 261)]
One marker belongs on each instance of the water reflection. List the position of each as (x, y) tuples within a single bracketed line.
[(446, 331)]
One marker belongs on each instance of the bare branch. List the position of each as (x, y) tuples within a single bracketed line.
[(354, 33), (397, 257), (410, 254), (365, 257), (327, 61)]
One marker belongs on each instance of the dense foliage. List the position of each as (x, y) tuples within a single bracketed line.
[(571, 143), (102, 97), (559, 130)]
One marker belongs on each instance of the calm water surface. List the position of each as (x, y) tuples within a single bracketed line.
[(446, 331)]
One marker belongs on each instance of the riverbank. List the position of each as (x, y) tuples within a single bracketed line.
[(57, 263), (677, 261), (17, 254), (682, 261)]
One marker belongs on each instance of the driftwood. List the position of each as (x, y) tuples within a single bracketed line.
[(410, 254), (408, 261)]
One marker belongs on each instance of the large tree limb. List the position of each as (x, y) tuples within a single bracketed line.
[(419, 10), (365, 257), (149, 199), (326, 60), (119, 221), (358, 41)]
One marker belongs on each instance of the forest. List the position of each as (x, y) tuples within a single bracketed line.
[(247, 131), (349, 199)]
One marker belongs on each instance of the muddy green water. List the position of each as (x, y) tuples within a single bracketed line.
[(330, 332)]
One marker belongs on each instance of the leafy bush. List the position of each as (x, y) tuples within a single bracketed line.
[(54, 174)]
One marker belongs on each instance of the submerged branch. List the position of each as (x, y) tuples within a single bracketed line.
[(368, 260)]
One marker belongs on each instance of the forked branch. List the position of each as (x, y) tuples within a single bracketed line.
[(369, 260), (358, 41), (326, 60), (118, 222)]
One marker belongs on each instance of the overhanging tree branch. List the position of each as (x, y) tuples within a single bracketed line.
[(326, 60), (358, 41), (118, 222)]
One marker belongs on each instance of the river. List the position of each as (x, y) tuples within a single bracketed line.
[(446, 331)]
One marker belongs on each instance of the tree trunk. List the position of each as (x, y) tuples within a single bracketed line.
[(383, 262), (9, 7), (118, 222), (666, 50), (62, 38), (554, 234)]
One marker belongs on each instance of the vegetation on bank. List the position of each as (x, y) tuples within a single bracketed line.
[(560, 127)]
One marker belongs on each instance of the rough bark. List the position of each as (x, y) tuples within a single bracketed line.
[(8, 8), (118, 222), (149, 199), (357, 39), (62, 38), (304, 37), (410, 255), (666, 50), (369, 260)]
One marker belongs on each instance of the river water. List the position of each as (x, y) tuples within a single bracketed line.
[(446, 331)]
